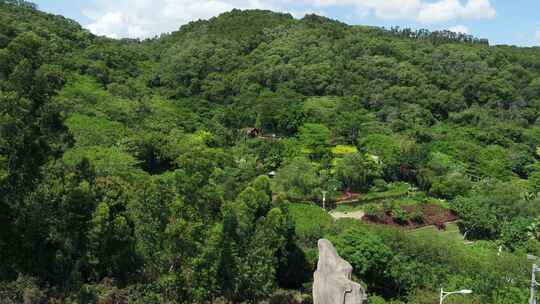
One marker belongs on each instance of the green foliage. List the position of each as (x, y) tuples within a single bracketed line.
[(125, 165), (110, 234), (366, 252), (321, 109), (22, 290), (450, 185), (343, 150), (253, 235), (517, 233), (357, 172), (488, 205), (107, 161), (391, 191), (385, 150), (93, 131), (534, 181), (374, 211), (316, 138), (417, 216), (311, 222), (399, 215), (298, 180)]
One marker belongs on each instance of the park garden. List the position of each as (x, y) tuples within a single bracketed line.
[(203, 165)]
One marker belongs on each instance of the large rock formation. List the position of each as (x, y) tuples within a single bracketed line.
[(332, 279)]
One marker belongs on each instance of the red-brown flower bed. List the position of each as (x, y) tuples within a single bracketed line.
[(432, 215)]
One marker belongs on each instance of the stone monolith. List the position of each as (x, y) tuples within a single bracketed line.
[(332, 280)]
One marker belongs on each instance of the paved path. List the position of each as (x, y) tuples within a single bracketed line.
[(357, 215)]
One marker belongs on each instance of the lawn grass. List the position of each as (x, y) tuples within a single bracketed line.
[(395, 191), (343, 149), (451, 233), (309, 218)]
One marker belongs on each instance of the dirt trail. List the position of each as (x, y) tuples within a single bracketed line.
[(357, 215)]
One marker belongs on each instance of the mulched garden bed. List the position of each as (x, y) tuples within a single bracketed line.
[(433, 215)]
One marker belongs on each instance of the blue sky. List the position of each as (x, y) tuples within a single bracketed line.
[(514, 22)]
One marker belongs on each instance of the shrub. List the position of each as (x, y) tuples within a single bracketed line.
[(373, 211), (420, 197), (380, 185), (417, 216), (342, 149), (281, 296), (23, 290), (387, 206), (298, 180), (399, 215), (376, 300), (311, 222), (450, 185)]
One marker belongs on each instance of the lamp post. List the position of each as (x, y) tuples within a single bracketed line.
[(534, 284), (324, 199), (445, 294)]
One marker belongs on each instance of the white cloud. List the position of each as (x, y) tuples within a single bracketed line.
[(537, 36), (459, 29), (396, 9), (440, 11), (479, 9), (447, 10), (384, 9), (419, 10), (117, 25), (107, 24), (145, 18)]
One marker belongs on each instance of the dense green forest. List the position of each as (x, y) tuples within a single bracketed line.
[(137, 171)]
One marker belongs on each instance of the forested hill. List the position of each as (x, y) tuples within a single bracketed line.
[(137, 171)]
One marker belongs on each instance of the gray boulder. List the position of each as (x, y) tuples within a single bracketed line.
[(332, 280)]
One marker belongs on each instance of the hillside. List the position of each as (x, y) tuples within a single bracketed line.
[(137, 171)]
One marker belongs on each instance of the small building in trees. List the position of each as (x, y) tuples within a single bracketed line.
[(252, 132)]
